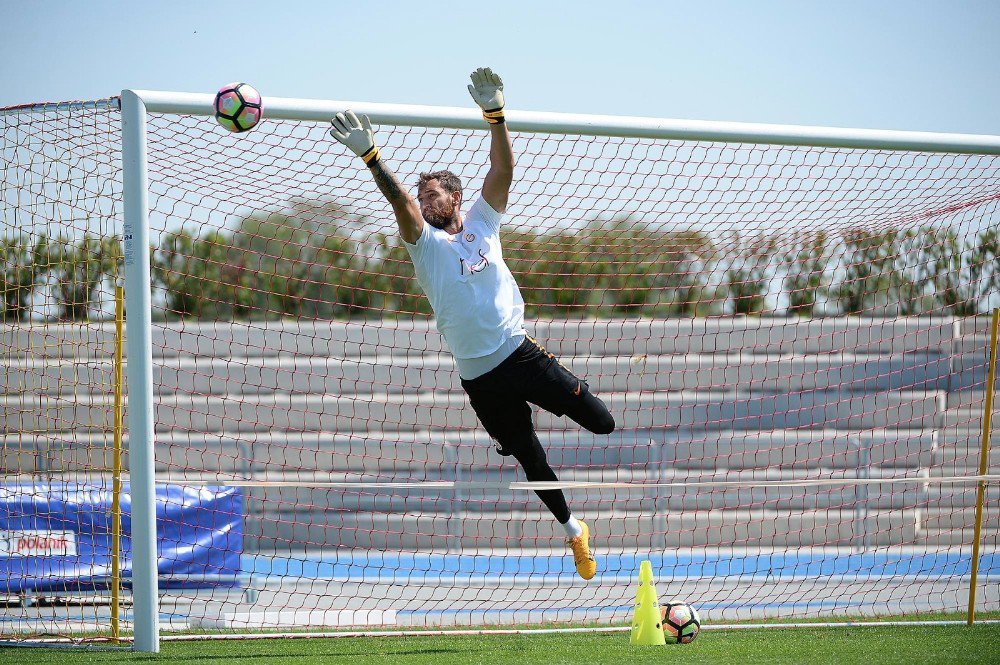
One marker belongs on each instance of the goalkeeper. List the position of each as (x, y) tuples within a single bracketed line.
[(478, 307)]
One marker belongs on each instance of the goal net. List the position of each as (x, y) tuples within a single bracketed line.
[(792, 340)]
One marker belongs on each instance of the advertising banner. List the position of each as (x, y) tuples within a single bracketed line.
[(56, 536)]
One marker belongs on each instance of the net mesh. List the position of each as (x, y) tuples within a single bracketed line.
[(752, 315)]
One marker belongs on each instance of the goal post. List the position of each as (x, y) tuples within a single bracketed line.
[(786, 321), (141, 421)]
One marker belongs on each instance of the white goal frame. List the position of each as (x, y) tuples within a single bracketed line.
[(136, 104)]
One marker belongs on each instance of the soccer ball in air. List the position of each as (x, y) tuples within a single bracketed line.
[(238, 107), (680, 622)]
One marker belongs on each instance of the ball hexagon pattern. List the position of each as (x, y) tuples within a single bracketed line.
[(238, 107)]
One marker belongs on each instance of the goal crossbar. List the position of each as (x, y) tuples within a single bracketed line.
[(281, 108)]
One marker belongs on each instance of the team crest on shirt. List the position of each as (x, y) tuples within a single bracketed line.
[(473, 268), (469, 237)]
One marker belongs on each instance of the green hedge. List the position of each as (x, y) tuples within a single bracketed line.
[(315, 262)]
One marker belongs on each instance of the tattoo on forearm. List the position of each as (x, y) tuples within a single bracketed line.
[(387, 183)]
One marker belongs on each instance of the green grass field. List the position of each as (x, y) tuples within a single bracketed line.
[(881, 644)]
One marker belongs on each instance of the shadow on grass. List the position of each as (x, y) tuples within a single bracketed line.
[(290, 655)]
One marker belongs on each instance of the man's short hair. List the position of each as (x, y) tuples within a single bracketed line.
[(448, 180)]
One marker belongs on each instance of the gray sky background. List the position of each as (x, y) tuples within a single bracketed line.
[(896, 64)]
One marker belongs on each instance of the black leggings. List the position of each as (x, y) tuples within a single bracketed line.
[(501, 400)]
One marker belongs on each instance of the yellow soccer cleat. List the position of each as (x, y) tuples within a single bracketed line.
[(586, 566)]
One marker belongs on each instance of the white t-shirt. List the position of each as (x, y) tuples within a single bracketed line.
[(475, 299)]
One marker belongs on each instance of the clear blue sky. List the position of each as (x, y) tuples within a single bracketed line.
[(896, 64)]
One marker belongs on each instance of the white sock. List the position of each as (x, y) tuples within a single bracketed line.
[(573, 528)]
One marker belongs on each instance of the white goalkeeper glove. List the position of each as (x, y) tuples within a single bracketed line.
[(487, 91), (356, 135)]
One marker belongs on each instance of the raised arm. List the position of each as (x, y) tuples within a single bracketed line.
[(487, 91), (358, 136)]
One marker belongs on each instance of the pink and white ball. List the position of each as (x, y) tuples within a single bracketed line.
[(238, 107), (681, 623)]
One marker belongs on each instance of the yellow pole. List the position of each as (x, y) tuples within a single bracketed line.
[(116, 507), (984, 457)]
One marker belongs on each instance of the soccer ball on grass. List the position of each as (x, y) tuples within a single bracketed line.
[(238, 107), (681, 623)]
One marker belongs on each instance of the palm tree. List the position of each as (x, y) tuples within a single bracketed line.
[(805, 272), (23, 262), (79, 269)]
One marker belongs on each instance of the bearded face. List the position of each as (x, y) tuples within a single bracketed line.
[(438, 215), (437, 205)]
